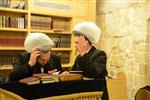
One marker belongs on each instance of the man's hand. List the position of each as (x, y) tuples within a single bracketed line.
[(65, 72), (33, 57), (53, 72)]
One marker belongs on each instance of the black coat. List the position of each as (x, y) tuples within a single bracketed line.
[(22, 69), (93, 65)]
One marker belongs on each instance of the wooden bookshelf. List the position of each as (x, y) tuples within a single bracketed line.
[(50, 31), (13, 29), (11, 10), (11, 48), (61, 49), (62, 15)]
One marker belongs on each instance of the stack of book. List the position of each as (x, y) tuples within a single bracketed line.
[(48, 78)]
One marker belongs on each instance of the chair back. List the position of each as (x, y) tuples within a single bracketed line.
[(143, 93)]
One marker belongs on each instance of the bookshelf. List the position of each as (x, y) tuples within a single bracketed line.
[(53, 17)]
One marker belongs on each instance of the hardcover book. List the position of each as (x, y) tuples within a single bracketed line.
[(42, 75), (46, 78), (69, 77), (76, 72), (30, 80)]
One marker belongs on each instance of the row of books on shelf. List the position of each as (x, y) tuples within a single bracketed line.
[(5, 3), (37, 22), (18, 41), (11, 41), (19, 4), (47, 23), (13, 22), (64, 57), (7, 60), (65, 60), (61, 24), (61, 41), (49, 78)]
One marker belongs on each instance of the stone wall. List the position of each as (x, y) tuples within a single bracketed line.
[(126, 39)]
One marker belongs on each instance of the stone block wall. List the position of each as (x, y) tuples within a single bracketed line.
[(125, 38)]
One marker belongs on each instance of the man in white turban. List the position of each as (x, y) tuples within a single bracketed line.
[(90, 60), (38, 58)]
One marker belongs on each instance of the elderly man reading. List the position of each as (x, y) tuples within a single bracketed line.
[(38, 58)]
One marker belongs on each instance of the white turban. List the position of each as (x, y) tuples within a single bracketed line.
[(88, 29), (38, 40)]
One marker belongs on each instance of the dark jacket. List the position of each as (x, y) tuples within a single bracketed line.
[(22, 69), (93, 65)]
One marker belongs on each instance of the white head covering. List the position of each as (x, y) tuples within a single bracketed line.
[(88, 29), (38, 40)]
